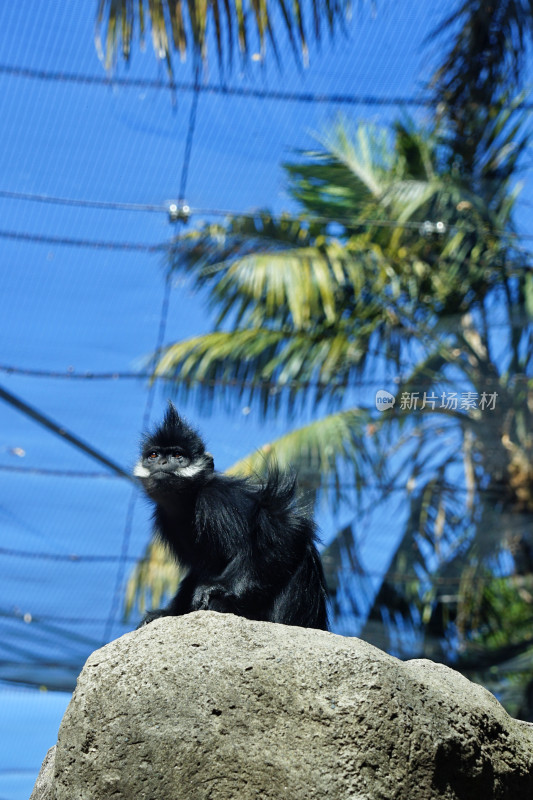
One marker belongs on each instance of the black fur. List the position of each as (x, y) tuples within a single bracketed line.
[(249, 547)]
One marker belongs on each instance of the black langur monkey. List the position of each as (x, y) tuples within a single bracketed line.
[(249, 547)]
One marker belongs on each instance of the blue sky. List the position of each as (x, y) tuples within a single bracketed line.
[(87, 309)]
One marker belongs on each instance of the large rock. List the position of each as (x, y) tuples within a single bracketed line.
[(215, 706)]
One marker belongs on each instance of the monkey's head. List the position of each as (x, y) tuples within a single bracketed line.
[(173, 459)]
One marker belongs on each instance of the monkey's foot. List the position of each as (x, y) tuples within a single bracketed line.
[(212, 598), (150, 616)]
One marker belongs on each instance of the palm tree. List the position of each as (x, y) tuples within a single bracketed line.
[(187, 28), (393, 261), (404, 257)]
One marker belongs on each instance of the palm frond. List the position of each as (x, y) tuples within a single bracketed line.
[(327, 453), (260, 269), (304, 281), (364, 151), (221, 356), (349, 173), (185, 27), (485, 46), (346, 574), (153, 580), (263, 363)]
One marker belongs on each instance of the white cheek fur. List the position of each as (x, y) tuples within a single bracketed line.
[(193, 469), (140, 472)]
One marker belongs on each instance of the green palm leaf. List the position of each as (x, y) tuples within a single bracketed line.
[(260, 362), (327, 453)]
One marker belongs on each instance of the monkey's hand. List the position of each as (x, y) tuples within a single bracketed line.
[(213, 597)]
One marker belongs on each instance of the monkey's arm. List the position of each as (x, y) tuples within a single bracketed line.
[(236, 590), (249, 542)]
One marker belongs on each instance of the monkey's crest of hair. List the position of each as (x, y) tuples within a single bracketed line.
[(174, 430)]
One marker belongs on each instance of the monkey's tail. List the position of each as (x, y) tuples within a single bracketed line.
[(278, 492), (283, 522), (303, 600), (280, 501)]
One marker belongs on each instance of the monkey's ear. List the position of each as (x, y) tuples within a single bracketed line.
[(210, 460)]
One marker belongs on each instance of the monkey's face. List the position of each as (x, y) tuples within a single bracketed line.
[(173, 460), (168, 470)]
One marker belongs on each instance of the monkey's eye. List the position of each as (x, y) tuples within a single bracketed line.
[(177, 456), (152, 455)]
